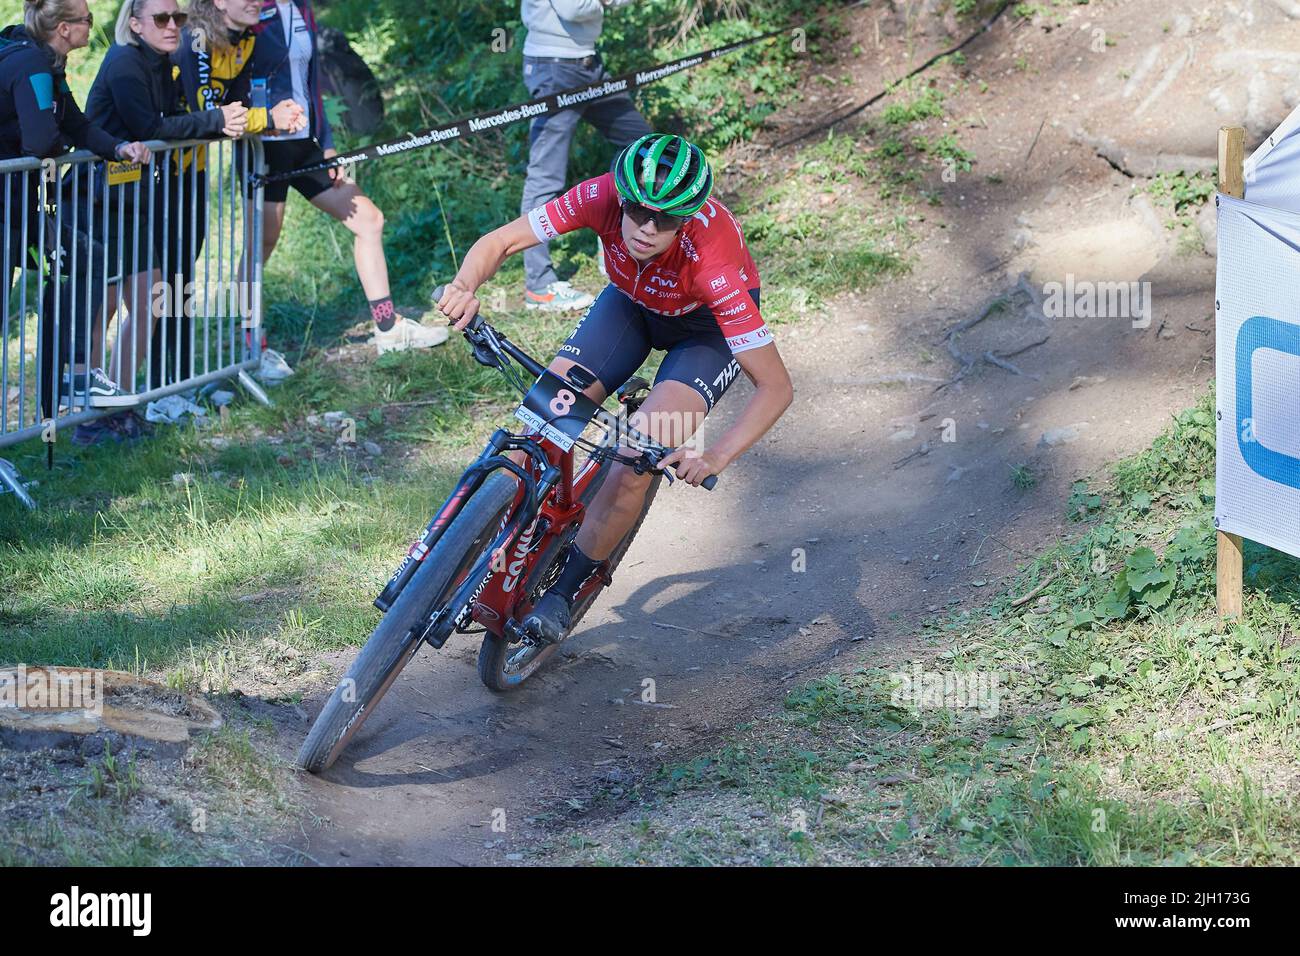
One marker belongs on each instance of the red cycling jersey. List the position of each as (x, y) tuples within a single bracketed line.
[(707, 263)]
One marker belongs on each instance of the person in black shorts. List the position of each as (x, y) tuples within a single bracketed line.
[(285, 58), (617, 335)]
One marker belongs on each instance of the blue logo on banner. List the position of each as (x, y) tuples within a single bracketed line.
[(1260, 332)]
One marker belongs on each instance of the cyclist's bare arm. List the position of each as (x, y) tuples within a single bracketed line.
[(773, 393), (459, 302)]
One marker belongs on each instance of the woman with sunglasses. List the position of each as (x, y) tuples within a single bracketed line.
[(137, 94), (40, 118), (681, 281)]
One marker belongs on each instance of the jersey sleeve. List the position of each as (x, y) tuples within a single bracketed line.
[(725, 290), (586, 204)]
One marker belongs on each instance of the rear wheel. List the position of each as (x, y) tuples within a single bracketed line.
[(504, 666), (397, 638)]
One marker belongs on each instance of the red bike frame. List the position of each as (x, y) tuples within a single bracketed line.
[(502, 598)]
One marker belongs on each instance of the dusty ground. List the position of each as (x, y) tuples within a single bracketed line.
[(893, 522)]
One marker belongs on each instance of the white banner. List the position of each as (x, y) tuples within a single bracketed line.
[(1257, 347), (1270, 172)]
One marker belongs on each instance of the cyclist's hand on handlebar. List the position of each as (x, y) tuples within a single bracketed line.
[(692, 466), (458, 305)]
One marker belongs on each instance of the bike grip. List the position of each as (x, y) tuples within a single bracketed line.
[(707, 484)]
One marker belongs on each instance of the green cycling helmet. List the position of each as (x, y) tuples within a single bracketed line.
[(664, 172)]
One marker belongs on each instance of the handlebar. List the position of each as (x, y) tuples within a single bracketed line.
[(491, 348)]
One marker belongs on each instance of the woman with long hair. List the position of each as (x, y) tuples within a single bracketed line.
[(40, 118)]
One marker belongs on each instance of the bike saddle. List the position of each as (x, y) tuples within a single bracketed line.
[(632, 390)]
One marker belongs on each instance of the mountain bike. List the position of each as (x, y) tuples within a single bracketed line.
[(497, 543)]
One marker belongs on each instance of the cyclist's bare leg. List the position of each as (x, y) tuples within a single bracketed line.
[(671, 414)]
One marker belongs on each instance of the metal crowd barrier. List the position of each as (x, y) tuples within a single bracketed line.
[(90, 248)]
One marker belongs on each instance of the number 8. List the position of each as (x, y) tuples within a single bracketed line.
[(562, 402)]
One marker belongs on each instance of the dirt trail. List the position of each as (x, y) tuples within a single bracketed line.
[(893, 521)]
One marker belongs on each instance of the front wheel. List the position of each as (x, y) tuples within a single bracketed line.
[(397, 638)]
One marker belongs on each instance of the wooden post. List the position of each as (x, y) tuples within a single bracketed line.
[(1232, 159), (1232, 155)]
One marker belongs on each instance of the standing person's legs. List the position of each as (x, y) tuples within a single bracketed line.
[(350, 206), (549, 138), (616, 117), (171, 358), (133, 332), (272, 222), (344, 200)]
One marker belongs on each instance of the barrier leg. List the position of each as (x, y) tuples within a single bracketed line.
[(1227, 573), (11, 481), (254, 389)]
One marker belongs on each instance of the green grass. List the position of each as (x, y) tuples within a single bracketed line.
[(218, 807), (1182, 195), (227, 559), (1133, 728)]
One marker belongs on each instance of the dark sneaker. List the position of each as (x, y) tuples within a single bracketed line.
[(130, 425), (95, 432), (550, 619), (102, 391)]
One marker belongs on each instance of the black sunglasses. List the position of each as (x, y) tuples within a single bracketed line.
[(176, 16), (88, 20), (664, 222)]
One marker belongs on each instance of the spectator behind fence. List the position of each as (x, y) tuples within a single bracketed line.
[(216, 69), (559, 54), (137, 95), (286, 58), (39, 118)]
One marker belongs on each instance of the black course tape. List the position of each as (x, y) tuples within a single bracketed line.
[(460, 129)]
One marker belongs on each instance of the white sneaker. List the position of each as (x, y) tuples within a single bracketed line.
[(273, 369), (559, 296), (407, 334)]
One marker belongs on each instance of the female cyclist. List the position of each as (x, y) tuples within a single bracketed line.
[(681, 281)]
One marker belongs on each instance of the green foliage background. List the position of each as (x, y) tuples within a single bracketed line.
[(437, 62)]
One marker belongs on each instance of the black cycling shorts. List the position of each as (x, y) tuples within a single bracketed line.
[(616, 335), (284, 155)]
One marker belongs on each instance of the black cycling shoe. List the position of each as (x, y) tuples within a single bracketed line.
[(550, 619)]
